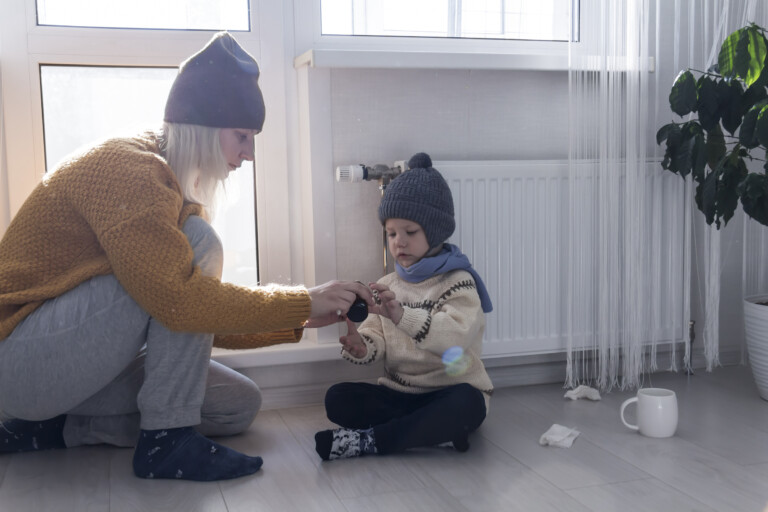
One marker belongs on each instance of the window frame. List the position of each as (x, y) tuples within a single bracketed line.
[(317, 49), (455, 13), (25, 46)]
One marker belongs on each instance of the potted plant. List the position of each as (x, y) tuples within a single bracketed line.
[(724, 149)]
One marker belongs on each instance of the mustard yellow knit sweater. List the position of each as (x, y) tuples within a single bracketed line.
[(117, 209)]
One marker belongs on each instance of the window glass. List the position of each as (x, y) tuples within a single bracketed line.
[(163, 14), (547, 20), (82, 104)]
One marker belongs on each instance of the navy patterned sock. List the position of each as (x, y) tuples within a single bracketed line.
[(368, 442), (26, 436), (184, 454), (344, 443)]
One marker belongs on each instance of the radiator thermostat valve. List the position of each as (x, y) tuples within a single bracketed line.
[(350, 173), (356, 173)]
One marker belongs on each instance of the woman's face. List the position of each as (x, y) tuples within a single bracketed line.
[(237, 145), (406, 240)]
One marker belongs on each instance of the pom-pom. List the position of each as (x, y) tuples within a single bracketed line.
[(420, 161)]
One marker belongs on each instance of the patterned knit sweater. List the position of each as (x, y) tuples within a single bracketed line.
[(438, 342), (117, 209)]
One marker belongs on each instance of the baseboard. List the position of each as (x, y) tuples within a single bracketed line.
[(303, 384)]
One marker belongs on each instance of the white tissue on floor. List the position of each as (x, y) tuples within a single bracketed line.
[(583, 392), (558, 435)]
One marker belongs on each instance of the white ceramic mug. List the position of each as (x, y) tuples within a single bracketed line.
[(656, 412)]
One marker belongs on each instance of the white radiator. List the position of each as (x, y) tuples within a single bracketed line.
[(512, 222)]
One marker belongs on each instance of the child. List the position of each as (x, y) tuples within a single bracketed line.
[(428, 329)]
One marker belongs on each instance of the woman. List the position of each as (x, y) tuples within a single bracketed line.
[(110, 291)]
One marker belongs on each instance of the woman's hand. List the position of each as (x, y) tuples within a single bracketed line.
[(332, 300), (353, 342), (388, 305)]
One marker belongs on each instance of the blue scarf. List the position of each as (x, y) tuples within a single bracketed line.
[(449, 258)]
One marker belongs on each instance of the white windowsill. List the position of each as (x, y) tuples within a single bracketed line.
[(428, 59), (370, 58), (305, 351)]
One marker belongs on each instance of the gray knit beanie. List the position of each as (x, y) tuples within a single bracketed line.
[(218, 87), (421, 195)]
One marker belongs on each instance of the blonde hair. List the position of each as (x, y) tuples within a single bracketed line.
[(194, 154)]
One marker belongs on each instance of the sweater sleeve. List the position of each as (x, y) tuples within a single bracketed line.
[(265, 339), (134, 210), (455, 320), (372, 333)]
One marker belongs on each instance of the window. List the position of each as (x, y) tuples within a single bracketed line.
[(165, 14), (545, 20), (64, 87)]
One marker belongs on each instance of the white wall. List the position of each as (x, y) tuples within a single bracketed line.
[(379, 116)]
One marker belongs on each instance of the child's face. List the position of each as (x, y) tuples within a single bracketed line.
[(406, 240)]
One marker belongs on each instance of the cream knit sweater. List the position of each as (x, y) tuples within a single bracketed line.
[(420, 354), (118, 208)]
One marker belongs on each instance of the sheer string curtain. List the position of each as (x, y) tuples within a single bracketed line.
[(615, 263), (620, 286)]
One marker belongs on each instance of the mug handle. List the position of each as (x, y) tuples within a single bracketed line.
[(624, 406)]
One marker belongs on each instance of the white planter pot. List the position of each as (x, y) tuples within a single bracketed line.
[(756, 331)]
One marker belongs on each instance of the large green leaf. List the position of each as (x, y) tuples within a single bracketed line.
[(727, 58), (671, 133), (717, 194), (747, 136), (743, 54), (667, 131), (682, 98), (715, 147), (755, 93), (754, 197), (707, 103), (733, 172), (707, 197), (757, 52), (682, 158), (699, 157), (761, 127), (730, 101)]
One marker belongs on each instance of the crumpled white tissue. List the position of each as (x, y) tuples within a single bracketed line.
[(558, 435), (582, 392)]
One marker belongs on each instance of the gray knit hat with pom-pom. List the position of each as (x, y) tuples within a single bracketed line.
[(421, 195)]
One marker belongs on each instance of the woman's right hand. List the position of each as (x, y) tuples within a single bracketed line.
[(332, 300), (353, 342)]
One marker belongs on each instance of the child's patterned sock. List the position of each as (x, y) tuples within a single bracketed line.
[(368, 442), (343, 443), (184, 454), (26, 436)]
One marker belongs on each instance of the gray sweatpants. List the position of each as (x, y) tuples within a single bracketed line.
[(94, 354)]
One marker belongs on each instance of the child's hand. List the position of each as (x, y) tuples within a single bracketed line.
[(353, 342), (388, 305)]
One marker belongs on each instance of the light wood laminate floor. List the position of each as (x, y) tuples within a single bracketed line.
[(718, 461)]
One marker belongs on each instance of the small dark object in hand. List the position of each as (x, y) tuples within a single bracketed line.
[(358, 311)]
